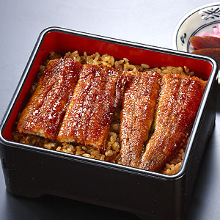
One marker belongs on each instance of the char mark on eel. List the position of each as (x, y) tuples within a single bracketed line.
[(177, 109), (45, 110), (138, 107), (97, 95)]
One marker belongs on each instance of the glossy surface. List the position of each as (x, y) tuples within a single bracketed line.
[(142, 25), (138, 109), (97, 95), (45, 110), (177, 108)]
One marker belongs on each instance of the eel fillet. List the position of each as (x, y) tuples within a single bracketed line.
[(177, 108), (45, 110), (97, 95), (137, 114)]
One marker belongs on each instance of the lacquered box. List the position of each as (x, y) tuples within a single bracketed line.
[(32, 171)]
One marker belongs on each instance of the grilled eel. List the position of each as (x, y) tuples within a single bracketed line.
[(45, 110), (97, 95), (138, 107), (177, 108)]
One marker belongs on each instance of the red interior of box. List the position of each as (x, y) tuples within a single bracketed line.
[(62, 42)]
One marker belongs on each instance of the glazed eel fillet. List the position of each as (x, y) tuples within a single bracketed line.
[(177, 108), (45, 110), (95, 99), (138, 107)]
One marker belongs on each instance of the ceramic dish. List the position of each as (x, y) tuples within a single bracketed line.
[(204, 18)]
